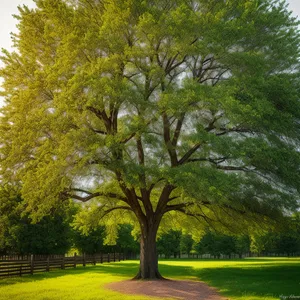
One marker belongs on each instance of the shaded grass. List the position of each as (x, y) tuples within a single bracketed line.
[(249, 279)]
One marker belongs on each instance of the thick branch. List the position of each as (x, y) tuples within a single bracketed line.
[(142, 177), (195, 215), (99, 131), (189, 154), (211, 160), (164, 198), (211, 125), (81, 190), (140, 149), (178, 206), (116, 208), (239, 130), (101, 115), (93, 195), (170, 67), (233, 168), (177, 130), (168, 142), (217, 161)]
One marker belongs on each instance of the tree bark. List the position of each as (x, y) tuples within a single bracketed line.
[(148, 254)]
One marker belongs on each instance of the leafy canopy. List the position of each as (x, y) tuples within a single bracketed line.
[(154, 106)]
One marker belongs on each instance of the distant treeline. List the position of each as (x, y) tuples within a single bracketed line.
[(56, 234), (285, 243), (53, 235)]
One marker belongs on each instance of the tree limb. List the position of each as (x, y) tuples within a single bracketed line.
[(93, 195), (168, 141), (101, 115), (115, 208), (178, 130), (189, 153), (178, 206)]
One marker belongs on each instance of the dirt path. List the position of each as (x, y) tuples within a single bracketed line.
[(178, 289)]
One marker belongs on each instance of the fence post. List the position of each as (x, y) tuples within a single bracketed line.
[(83, 257), (108, 258), (94, 259), (75, 254), (31, 264), (48, 263), (101, 258), (119, 256), (63, 262), (114, 256)]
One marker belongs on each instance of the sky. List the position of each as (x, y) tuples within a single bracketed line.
[(8, 23)]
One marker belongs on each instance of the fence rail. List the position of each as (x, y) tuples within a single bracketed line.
[(30, 264)]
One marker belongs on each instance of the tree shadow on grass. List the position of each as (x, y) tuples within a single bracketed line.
[(254, 280)]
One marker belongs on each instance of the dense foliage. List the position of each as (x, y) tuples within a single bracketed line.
[(51, 235), (169, 243), (54, 233)]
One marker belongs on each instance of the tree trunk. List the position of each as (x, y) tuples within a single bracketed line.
[(148, 255)]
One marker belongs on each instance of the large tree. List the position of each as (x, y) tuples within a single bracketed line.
[(155, 108)]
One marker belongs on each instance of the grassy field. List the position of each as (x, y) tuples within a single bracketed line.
[(249, 279)]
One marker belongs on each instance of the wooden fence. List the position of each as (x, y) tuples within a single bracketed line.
[(29, 264)]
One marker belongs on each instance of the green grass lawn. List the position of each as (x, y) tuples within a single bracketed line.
[(249, 279)]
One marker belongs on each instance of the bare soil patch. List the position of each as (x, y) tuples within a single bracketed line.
[(177, 289)]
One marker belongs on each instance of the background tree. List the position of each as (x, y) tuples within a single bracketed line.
[(156, 109), (200, 248), (90, 242), (51, 235), (169, 243), (288, 244), (242, 244), (286, 241), (261, 242), (227, 245), (209, 243), (216, 244), (125, 242), (186, 243), (9, 216)]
